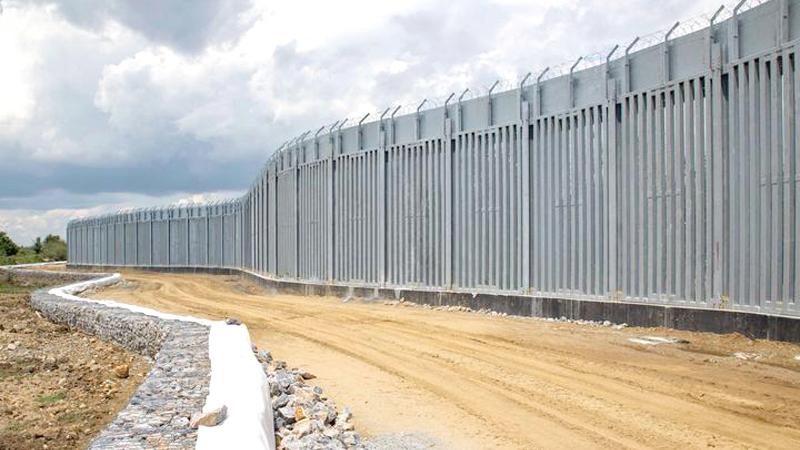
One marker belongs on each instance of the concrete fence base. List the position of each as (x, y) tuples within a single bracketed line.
[(752, 324)]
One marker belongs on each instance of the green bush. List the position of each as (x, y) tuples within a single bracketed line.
[(7, 246), (51, 248), (54, 248)]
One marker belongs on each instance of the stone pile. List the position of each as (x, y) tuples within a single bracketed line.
[(304, 417)]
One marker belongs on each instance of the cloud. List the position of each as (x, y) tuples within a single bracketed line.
[(186, 25), (152, 99)]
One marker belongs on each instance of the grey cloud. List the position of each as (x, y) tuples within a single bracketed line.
[(185, 25)]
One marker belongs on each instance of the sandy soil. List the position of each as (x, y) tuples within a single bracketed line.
[(58, 388), (479, 382)]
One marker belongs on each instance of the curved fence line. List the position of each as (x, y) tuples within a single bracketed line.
[(669, 175)]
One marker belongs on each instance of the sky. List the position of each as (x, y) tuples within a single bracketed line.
[(113, 104)]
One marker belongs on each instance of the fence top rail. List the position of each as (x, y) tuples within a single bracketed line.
[(175, 211)]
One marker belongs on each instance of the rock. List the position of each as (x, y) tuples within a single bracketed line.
[(122, 371), (50, 363), (350, 438), (280, 401), (747, 356), (305, 396), (299, 414), (620, 326), (232, 321), (325, 413), (11, 346), (331, 432), (288, 413), (283, 380), (302, 427), (346, 415), (308, 376), (179, 422), (209, 419), (264, 356), (606, 323)]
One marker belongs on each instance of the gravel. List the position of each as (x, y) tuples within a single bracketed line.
[(307, 420), (304, 417), (491, 313)]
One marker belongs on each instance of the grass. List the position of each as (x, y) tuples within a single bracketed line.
[(49, 399), (21, 258), (6, 288), (14, 427), (9, 286), (7, 374)]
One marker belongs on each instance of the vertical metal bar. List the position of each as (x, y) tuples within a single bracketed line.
[(792, 119), (773, 180), (788, 177), (448, 212), (652, 203), (496, 214), (743, 267), (626, 188), (717, 240), (753, 167), (506, 178), (642, 189)]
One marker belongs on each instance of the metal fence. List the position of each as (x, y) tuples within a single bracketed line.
[(667, 174)]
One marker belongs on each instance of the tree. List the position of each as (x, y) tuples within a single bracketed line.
[(54, 248), (7, 246), (37, 245)]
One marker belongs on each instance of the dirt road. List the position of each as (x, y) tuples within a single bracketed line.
[(478, 382)]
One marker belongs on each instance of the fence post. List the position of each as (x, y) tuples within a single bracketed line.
[(525, 188), (448, 201), (783, 22), (169, 236), (381, 203), (719, 175), (190, 213), (667, 72), (208, 239), (331, 184), (612, 127)]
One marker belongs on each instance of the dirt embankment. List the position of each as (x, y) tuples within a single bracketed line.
[(58, 387), (478, 382)]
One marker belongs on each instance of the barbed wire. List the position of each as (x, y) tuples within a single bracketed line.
[(592, 60), (179, 205)]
